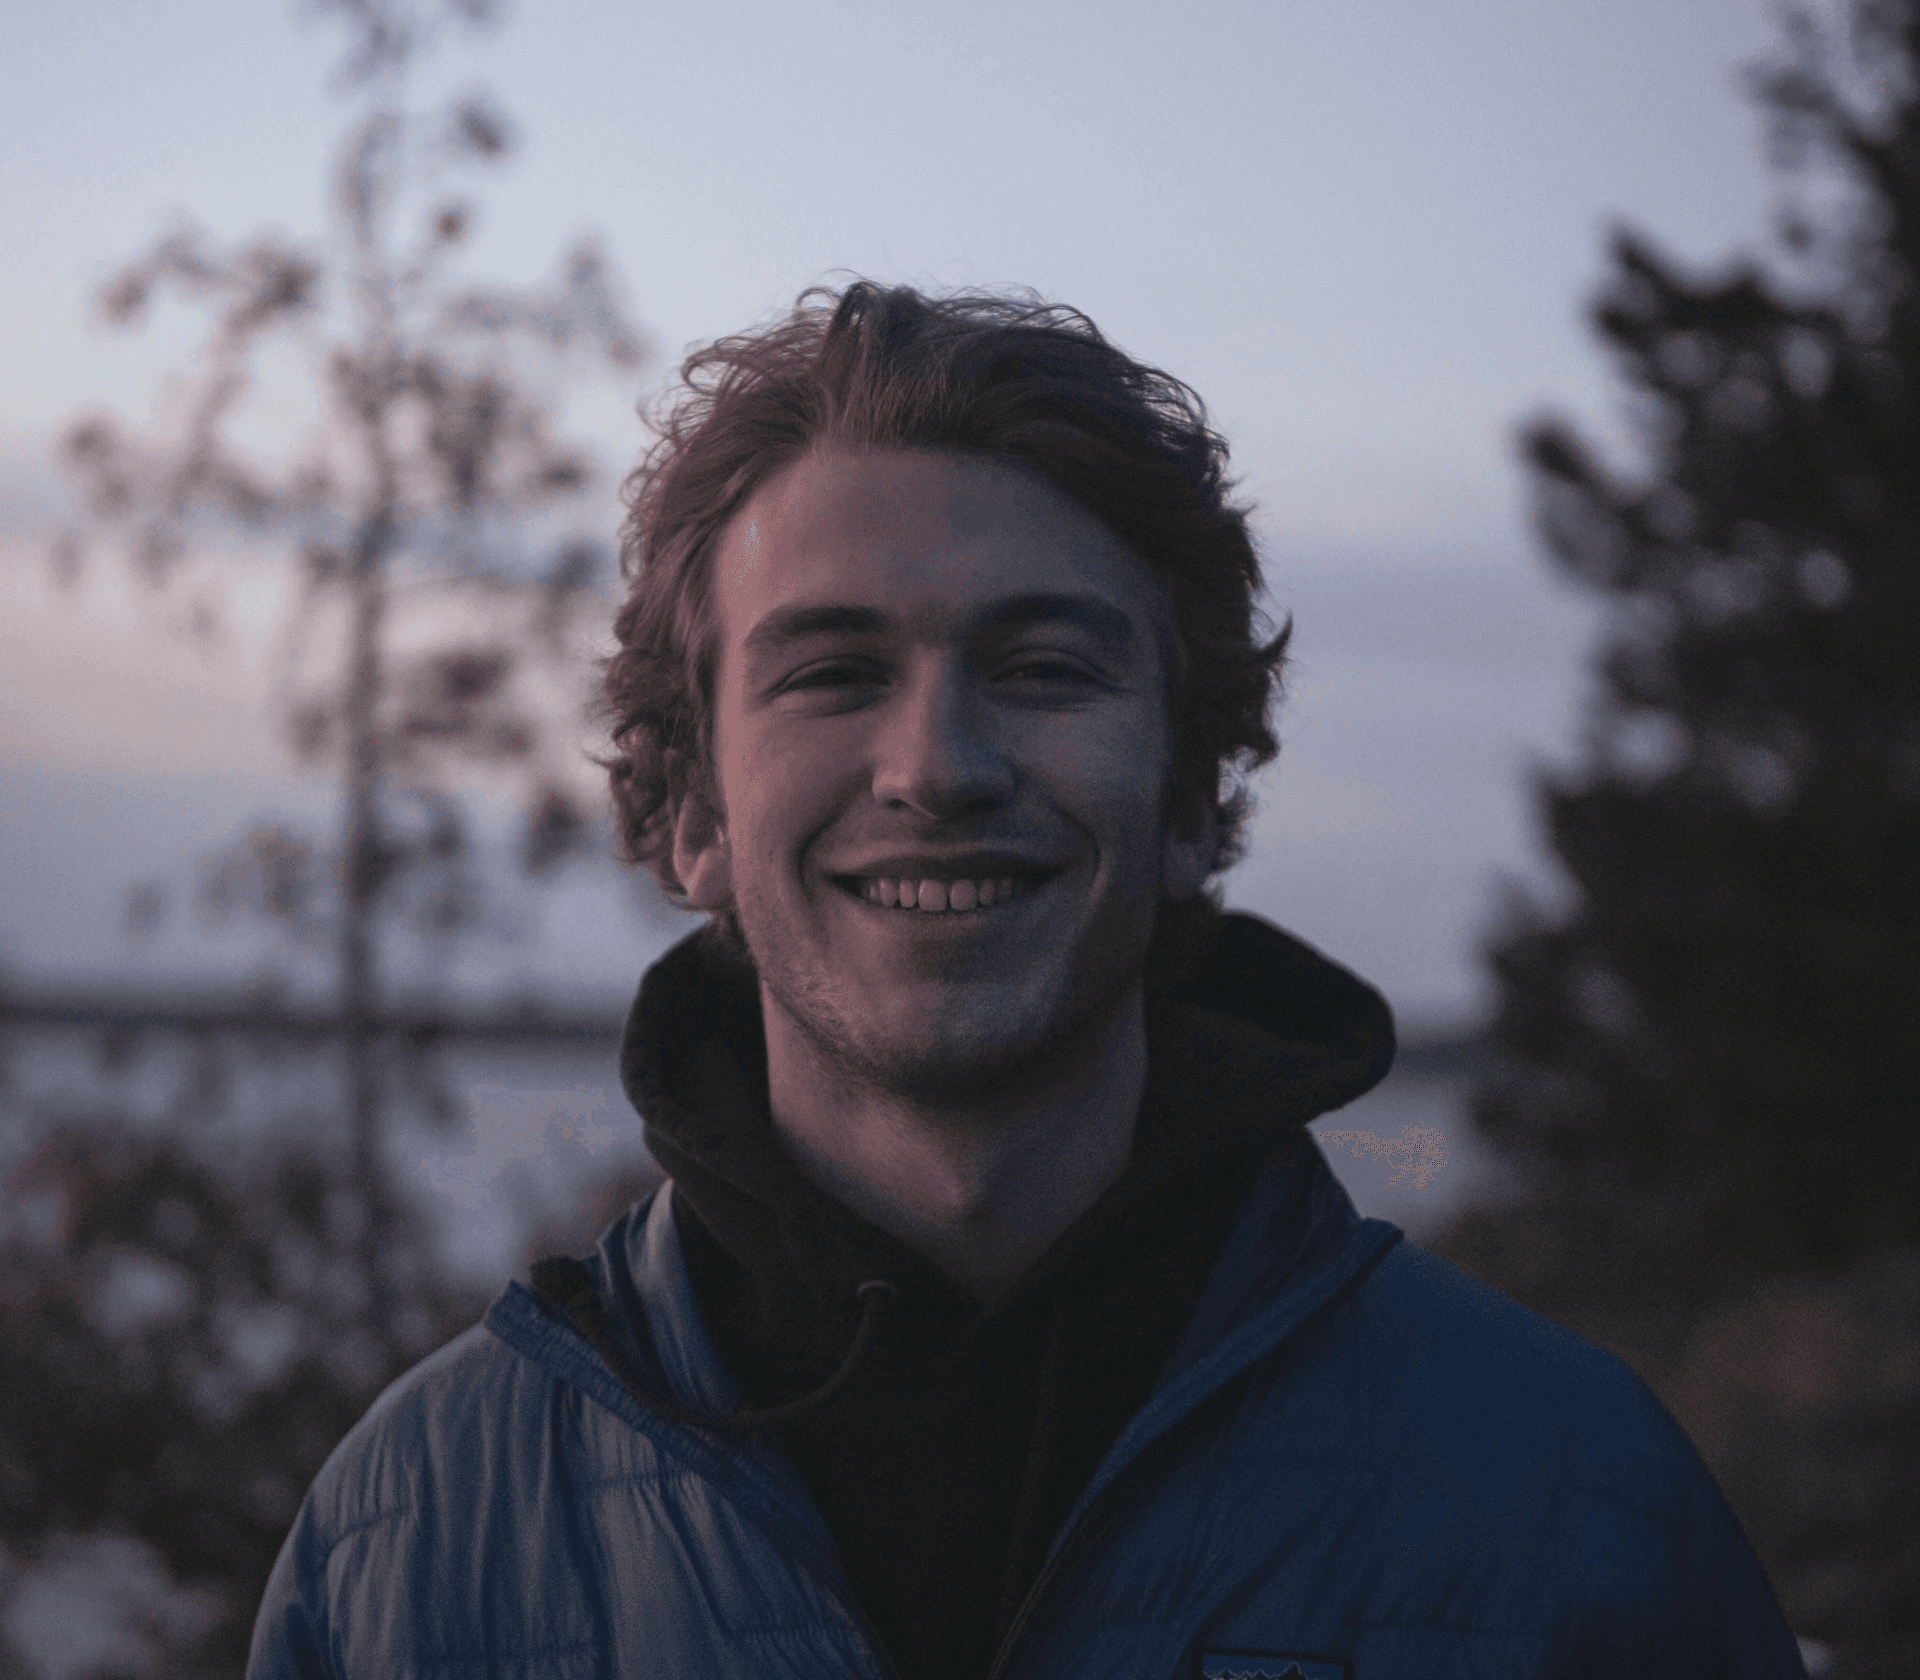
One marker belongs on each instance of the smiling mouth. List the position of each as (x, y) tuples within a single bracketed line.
[(941, 898)]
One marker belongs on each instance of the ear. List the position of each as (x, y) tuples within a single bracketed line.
[(1186, 860), (702, 857)]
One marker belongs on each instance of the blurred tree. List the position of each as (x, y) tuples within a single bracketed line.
[(189, 1321), (197, 1306), (1709, 1059)]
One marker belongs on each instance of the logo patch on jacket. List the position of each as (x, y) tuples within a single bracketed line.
[(1268, 1665)]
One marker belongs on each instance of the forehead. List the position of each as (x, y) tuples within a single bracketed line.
[(932, 542)]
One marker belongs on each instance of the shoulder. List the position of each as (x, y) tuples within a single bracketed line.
[(1507, 1433), (364, 1509), (441, 1498), (1474, 1366), (471, 1403), (1485, 1468), (1479, 1360)]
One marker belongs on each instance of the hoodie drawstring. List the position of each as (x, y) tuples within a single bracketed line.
[(568, 1284)]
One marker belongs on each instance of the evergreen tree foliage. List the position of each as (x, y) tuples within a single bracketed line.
[(1707, 1069), (1734, 1000)]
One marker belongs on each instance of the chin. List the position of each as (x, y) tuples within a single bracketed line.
[(964, 1050)]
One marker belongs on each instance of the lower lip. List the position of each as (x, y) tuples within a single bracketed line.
[(954, 918)]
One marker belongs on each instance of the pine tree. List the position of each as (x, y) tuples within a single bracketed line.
[(1735, 998), (1709, 1059)]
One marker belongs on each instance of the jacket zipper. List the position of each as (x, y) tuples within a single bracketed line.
[(1100, 1517), (1095, 1523)]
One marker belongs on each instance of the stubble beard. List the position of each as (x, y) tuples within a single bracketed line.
[(980, 1049)]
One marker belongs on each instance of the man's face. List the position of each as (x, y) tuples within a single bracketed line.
[(937, 676)]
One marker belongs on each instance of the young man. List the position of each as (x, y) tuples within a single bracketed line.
[(1000, 1318)]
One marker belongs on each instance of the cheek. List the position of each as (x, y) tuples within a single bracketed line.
[(1113, 773), (785, 787)]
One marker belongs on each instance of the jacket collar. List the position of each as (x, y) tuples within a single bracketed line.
[(1296, 1248)]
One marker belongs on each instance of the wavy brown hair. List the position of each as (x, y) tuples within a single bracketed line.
[(1008, 378)]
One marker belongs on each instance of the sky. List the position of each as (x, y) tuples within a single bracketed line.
[(1366, 233)]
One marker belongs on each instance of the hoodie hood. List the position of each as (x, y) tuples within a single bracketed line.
[(1265, 1036)]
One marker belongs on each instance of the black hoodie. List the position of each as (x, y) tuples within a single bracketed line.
[(946, 1457)]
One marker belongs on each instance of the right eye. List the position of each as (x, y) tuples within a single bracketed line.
[(837, 673)]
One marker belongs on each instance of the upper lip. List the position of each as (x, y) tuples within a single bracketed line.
[(953, 866)]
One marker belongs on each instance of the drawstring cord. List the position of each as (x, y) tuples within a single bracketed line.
[(568, 1284)]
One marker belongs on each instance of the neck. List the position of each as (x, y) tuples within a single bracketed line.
[(983, 1188)]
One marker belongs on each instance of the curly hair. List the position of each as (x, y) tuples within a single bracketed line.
[(1009, 378)]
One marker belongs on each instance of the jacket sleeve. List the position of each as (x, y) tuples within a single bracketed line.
[(1709, 1612), (1740, 1630), (291, 1640)]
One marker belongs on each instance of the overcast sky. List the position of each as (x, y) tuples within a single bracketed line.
[(1364, 231)]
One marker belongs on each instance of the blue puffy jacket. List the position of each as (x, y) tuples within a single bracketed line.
[(1360, 1463)]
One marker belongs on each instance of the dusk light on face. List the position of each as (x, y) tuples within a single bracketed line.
[(940, 686)]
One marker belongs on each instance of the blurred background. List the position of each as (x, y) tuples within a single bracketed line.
[(1568, 355)]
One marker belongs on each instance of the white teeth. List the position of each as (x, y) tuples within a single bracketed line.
[(936, 897)]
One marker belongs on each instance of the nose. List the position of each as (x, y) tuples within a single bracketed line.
[(937, 753)]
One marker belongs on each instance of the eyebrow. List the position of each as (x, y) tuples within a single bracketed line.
[(1099, 618)]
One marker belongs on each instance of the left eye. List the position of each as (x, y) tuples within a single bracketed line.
[(831, 676), (1055, 670)]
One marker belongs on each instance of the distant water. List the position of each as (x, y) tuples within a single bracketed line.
[(543, 1127), (536, 1129), (541, 1130)]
